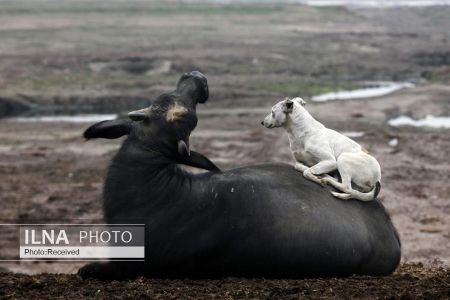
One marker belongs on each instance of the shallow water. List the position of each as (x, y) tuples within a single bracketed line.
[(430, 121), (375, 3), (88, 118), (354, 134), (372, 89)]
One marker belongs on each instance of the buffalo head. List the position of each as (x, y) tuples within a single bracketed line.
[(165, 126)]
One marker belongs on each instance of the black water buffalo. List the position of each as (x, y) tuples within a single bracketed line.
[(262, 220)]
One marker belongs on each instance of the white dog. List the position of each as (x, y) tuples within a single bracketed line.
[(319, 150)]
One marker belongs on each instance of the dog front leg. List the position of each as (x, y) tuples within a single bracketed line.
[(300, 167), (304, 169), (323, 167)]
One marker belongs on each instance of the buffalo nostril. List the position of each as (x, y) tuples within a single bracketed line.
[(198, 74)]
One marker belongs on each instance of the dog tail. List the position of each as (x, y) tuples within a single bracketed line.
[(354, 194)]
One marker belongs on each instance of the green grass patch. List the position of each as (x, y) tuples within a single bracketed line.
[(439, 75), (78, 82), (132, 7)]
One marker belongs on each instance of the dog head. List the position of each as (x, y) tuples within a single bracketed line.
[(278, 115)]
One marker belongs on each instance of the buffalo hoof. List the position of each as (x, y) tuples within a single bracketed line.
[(112, 271), (95, 270)]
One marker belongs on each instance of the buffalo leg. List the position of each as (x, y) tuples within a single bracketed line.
[(112, 270)]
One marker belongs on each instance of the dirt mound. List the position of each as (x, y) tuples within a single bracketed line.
[(411, 281)]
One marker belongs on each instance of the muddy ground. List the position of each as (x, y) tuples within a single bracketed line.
[(65, 58), (50, 173), (411, 281)]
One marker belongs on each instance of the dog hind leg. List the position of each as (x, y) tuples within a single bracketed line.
[(342, 196), (350, 193), (322, 167), (353, 166), (369, 196), (345, 186)]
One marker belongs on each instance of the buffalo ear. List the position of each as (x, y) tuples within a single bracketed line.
[(109, 129)]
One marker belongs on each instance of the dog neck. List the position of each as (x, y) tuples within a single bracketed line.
[(299, 123)]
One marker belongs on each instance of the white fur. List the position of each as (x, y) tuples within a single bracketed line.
[(319, 150)]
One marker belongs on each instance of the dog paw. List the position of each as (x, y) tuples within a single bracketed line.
[(299, 168), (341, 196), (325, 180), (321, 182)]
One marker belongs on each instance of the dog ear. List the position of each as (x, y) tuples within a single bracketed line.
[(299, 101), (288, 105)]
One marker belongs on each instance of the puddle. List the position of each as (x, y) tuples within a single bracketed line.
[(429, 121), (354, 134), (370, 90), (393, 142), (91, 118)]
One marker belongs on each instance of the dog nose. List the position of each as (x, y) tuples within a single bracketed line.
[(262, 123)]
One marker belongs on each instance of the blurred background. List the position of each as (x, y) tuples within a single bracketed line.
[(378, 71)]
